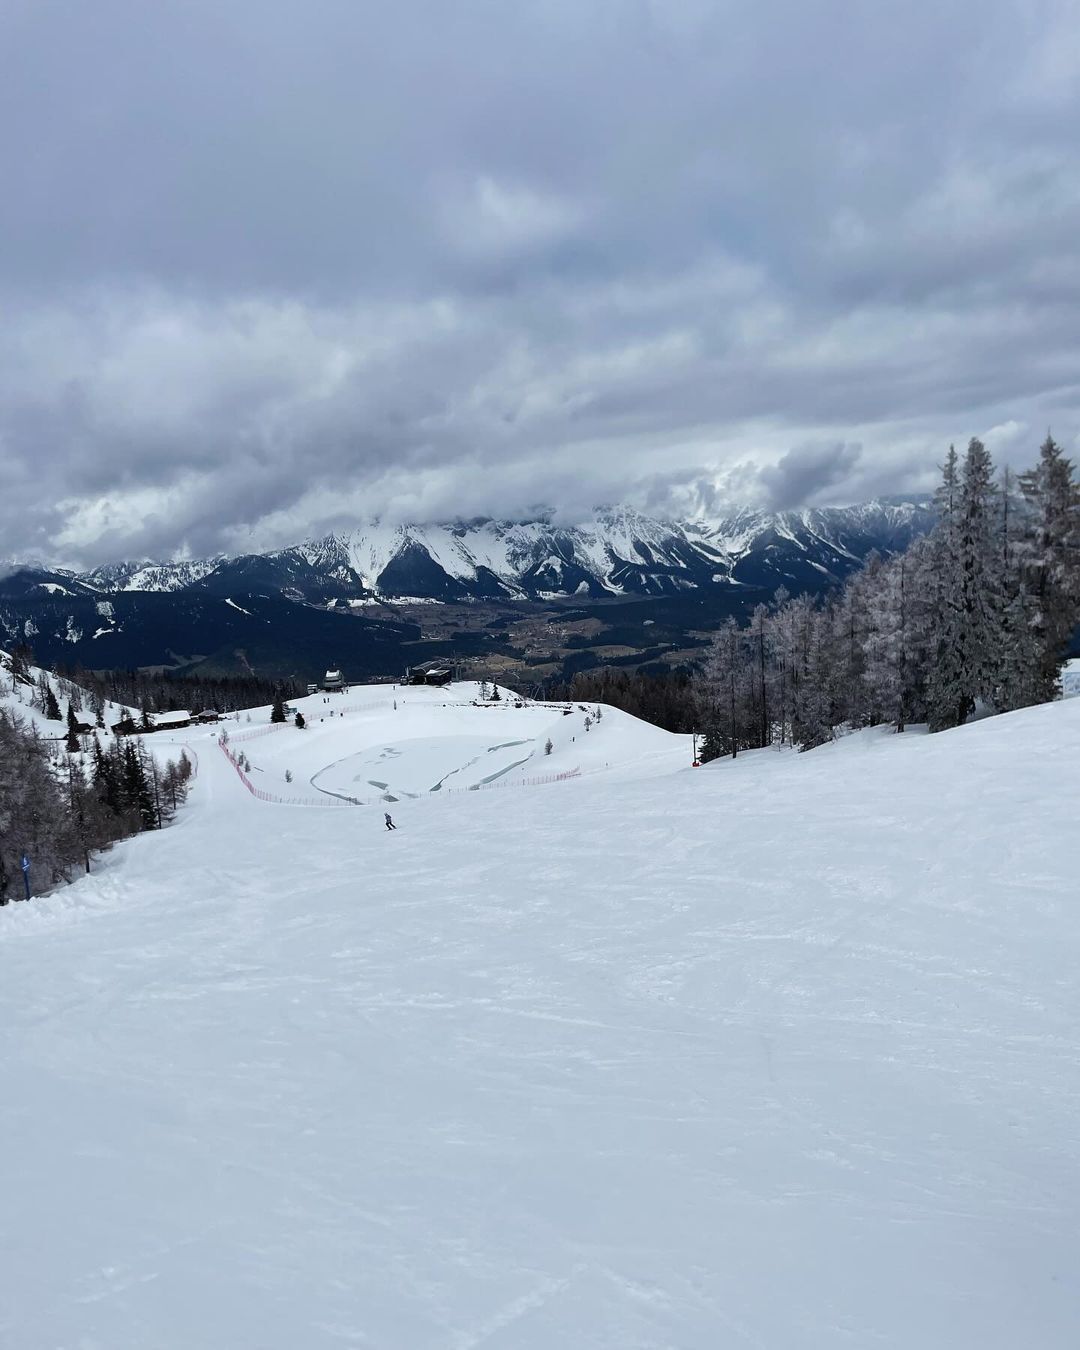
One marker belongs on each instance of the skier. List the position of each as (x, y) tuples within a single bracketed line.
[(389, 823)]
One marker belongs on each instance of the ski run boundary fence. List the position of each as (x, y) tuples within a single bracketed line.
[(329, 800), (522, 782), (263, 796)]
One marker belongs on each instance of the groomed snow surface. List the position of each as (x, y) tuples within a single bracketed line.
[(780, 1053)]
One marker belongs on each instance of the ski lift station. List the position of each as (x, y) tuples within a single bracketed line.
[(434, 672)]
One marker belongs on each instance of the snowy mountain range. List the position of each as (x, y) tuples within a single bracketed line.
[(282, 613), (618, 552)]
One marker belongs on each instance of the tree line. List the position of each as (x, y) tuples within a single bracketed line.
[(169, 691), (61, 805), (666, 700), (977, 616)]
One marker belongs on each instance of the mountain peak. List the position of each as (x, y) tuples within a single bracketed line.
[(617, 550)]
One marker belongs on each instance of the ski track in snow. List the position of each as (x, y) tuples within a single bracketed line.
[(782, 1053)]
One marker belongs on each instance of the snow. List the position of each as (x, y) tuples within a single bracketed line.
[(169, 719), (15, 700), (605, 543), (507, 549), (361, 747), (374, 600), (156, 576), (774, 1053), (233, 605)]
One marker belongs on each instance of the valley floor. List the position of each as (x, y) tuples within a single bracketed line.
[(782, 1053)]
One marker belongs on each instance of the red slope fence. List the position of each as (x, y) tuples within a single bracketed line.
[(263, 796), (535, 781), (329, 801)]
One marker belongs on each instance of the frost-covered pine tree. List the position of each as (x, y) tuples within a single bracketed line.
[(945, 676), (719, 696), (968, 627), (1018, 657), (763, 682), (846, 684), (981, 571), (1049, 550), (814, 715), (783, 645), (885, 645)]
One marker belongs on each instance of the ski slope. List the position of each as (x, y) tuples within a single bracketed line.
[(384, 743), (778, 1053)]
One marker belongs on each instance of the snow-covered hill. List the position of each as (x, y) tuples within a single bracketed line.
[(779, 1053), (18, 701)]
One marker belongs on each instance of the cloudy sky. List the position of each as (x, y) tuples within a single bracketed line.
[(269, 268)]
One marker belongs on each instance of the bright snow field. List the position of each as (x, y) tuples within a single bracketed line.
[(780, 1053)]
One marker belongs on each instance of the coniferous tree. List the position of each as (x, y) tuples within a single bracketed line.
[(885, 647), (720, 695), (60, 811), (34, 814), (137, 788), (814, 710), (943, 575), (980, 570), (1050, 561), (759, 623), (72, 741), (853, 630)]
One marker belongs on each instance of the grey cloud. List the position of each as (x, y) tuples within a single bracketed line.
[(265, 268), (804, 474)]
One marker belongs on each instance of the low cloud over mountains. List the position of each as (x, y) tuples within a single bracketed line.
[(267, 273)]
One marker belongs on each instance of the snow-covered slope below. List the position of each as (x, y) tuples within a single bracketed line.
[(779, 1053)]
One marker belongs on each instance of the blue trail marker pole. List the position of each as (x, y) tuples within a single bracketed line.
[(26, 874)]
